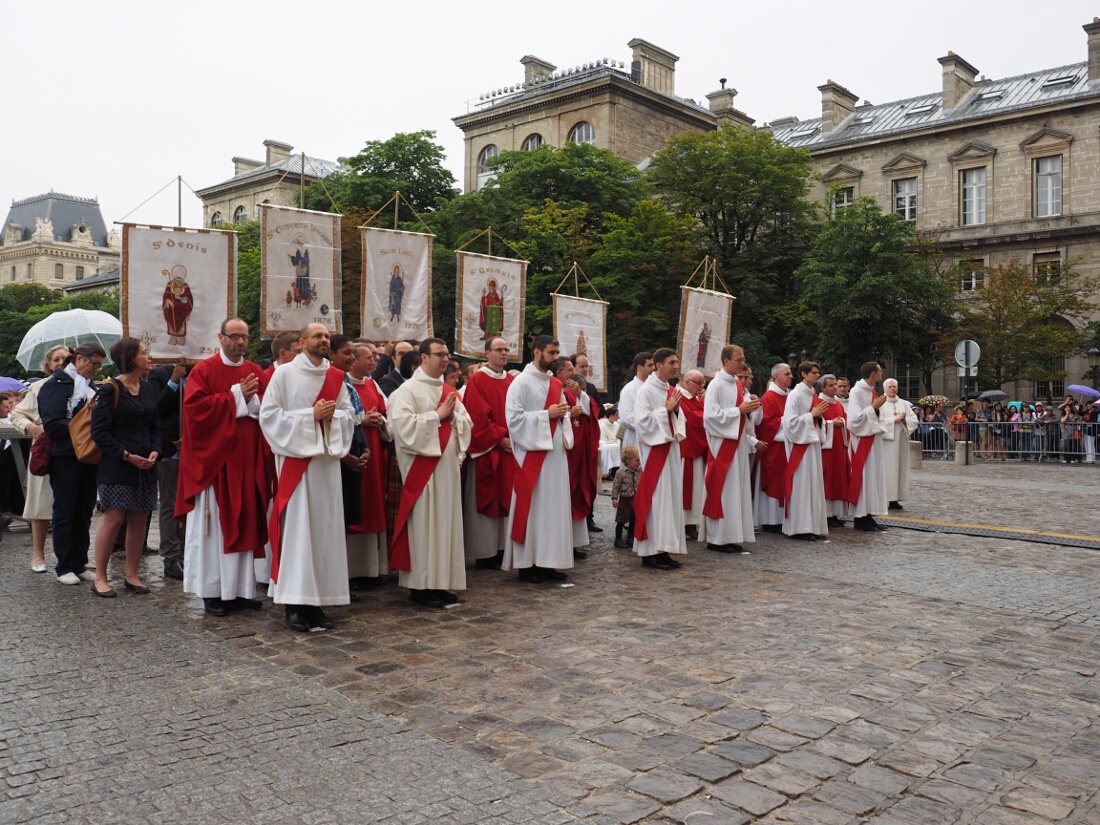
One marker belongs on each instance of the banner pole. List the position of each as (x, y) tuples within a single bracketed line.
[(179, 200), (490, 240), (396, 207)]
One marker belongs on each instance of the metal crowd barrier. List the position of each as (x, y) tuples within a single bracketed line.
[(1012, 441)]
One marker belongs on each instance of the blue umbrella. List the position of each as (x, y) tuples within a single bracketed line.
[(1081, 389), (7, 384)]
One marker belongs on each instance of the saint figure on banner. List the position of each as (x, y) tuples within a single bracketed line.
[(704, 344), (177, 303), (302, 289), (491, 317), (582, 344), (397, 292)]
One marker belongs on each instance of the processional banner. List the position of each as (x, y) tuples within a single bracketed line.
[(397, 285), (177, 286), (300, 280), (704, 329), (580, 325), (491, 302)]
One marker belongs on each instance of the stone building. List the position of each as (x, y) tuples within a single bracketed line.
[(631, 109), (994, 169), (55, 240), (276, 180)]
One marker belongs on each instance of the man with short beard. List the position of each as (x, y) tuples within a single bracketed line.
[(804, 515), (771, 465), (591, 426), (867, 488), (540, 535), (309, 422), (642, 366), (582, 458)]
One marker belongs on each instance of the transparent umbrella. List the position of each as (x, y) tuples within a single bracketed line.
[(70, 327)]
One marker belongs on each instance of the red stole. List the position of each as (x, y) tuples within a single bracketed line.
[(372, 489), (211, 435), (584, 455), (494, 468), (294, 467), (651, 474), (773, 463), (859, 461), (718, 466), (420, 472), (835, 462), (694, 444), (527, 473)]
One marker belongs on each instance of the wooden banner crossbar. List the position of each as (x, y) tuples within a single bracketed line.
[(574, 271), (396, 202), (710, 276)]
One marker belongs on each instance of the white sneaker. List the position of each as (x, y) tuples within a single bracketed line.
[(69, 578), (86, 576), (38, 568)]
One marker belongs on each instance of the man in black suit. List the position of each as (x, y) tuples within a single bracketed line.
[(169, 381)]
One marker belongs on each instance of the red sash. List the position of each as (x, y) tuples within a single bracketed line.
[(859, 461), (527, 473), (647, 485), (291, 474), (420, 471), (719, 466)]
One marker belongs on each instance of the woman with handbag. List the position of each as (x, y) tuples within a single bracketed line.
[(62, 396), (124, 427), (25, 417)]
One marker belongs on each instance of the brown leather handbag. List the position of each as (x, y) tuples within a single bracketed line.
[(80, 431)]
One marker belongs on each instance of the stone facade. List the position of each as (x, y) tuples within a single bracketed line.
[(276, 180), (56, 240)]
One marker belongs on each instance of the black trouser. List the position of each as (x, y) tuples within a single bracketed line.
[(74, 494)]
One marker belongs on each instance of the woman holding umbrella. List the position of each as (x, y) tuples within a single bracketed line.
[(26, 418)]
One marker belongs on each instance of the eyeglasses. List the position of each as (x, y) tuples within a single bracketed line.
[(236, 336), (440, 354)]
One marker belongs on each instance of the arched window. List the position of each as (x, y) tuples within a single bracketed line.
[(240, 214), (532, 142), (485, 173), (582, 133), (216, 219)]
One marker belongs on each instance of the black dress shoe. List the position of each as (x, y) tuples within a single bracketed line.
[(671, 562), (529, 574), (691, 532), (772, 528), (109, 593), (655, 562), (620, 544), (297, 618), (173, 569), (447, 597), (215, 607), (896, 505), (834, 522), (317, 618), (722, 548), (352, 598), (247, 604), (864, 523), (491, 563), (804, 537), (551, 575), (592, 528), (426, 598), (881, 528), (579, 554)]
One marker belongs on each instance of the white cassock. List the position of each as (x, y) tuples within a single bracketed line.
[(627, 400), (609, 445), (655, 426), (805, 512), (313, 565), (895, 447), (722, 420), (864, 422), (484, 535), (549, 538), (435, 523), (369, 553), (208, 571)]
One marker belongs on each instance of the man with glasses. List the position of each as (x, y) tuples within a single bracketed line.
[(693, 452), (487, 496), (431, 429), (224, 486)]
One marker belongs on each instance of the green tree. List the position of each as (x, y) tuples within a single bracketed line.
[(866, 293), (1025, 322)]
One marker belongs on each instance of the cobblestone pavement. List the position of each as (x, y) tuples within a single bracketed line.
[(898, 679)]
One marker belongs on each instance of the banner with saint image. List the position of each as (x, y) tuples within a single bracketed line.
[(580, 325), (300, 272), (177, 287), (492, 295), (705, 318), (397, 285)]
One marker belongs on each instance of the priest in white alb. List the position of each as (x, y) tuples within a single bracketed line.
[(867, 485), (642, 366), (659, 499), (540, 523), (804, 515), (309, 421), (727, 418), (431, 429), (900, 422)]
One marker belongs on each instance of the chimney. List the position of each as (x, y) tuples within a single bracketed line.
[(721, 104), (656, 68), (1093, 31), (535, 69), (836, 104), (277, 152), (958, 79), (242, 165)]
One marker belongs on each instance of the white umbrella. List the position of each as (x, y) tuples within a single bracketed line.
[(70, 327)]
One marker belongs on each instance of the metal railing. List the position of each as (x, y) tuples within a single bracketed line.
[(1071, 442)]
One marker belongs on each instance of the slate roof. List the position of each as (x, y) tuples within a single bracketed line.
[(291, 167), (1063, 84), (65, 211)]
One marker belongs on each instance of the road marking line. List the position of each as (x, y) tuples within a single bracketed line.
[(993, 528)]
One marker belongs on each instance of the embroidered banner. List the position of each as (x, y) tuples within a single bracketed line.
[(704, 329), (580, 324), (300, 280), (177, 287), (491, 301), (397, 285)]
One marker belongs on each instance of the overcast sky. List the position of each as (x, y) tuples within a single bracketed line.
[(114, 99)]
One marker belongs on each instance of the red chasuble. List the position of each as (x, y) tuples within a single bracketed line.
[(694, 444), (773, 461), (836, 464), (495, 469), (211, 436), (584, 456), (372, 486)]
